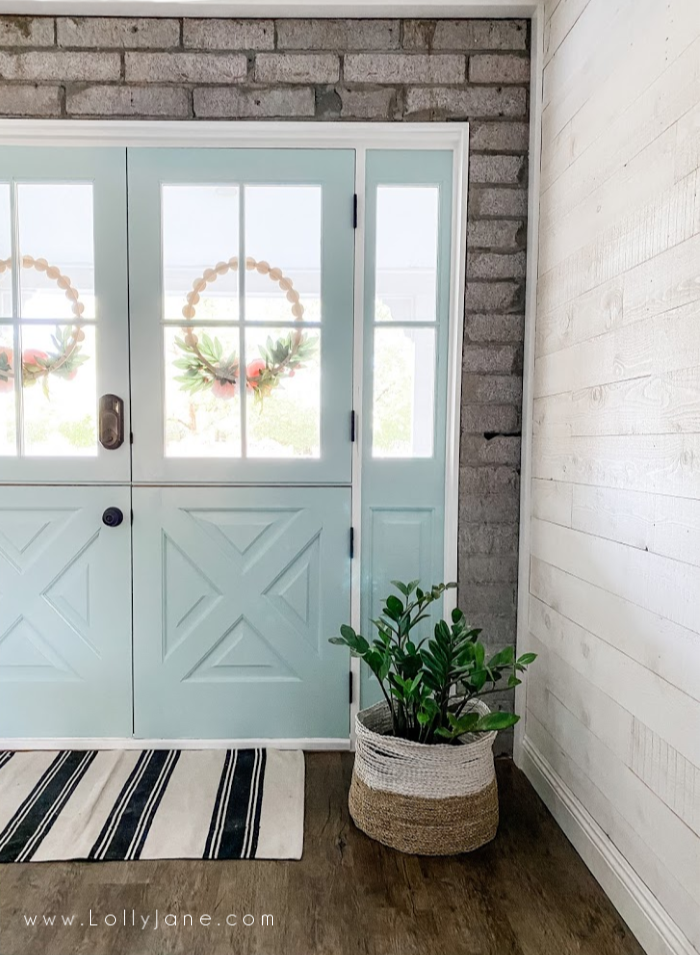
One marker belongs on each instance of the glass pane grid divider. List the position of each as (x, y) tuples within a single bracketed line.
[(16, 333), (242, 282), (390, 324), (238, 323), (37, 322)]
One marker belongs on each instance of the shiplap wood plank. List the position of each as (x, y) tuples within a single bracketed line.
[(569, 225), (586, 53), (655, 522), (658, 404), (622, 832), (672, 777), (661, 464), (658, 346), (664, 648), (665, 221), (662, 831), (677, 529), (637, 690), (666, 772), (649, 146), (551, 501), (640, 74), (666, 282), (560, 18), (688, 146), (624, 516), (667, 587)]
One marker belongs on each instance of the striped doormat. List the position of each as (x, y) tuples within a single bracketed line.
[(151, 804)]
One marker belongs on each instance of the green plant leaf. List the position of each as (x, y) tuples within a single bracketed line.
[(527, 658), (496, 721)]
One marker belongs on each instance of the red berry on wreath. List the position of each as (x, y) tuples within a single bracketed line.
[(254, 372), (32, 356), (224, 389)]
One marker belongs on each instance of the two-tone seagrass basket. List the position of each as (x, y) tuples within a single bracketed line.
[(423, 799)]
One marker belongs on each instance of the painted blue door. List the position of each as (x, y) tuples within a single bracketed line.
[(65, 576), (241, 304), (65, 613), (241, 278), (236, 593), (408, 229)]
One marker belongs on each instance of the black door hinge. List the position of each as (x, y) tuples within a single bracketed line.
[(353, 426), (132, 516), (354, 211), (351, 684), (352, 542), (131, 437)]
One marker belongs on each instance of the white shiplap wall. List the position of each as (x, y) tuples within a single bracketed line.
[(612, 725)]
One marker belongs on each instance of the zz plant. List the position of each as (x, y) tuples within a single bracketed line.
[(429, 683)]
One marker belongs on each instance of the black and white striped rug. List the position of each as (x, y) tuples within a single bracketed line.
[(151, 804)]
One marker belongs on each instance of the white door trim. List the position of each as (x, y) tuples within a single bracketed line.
[(132, 742), (234, 134), (273, 8)]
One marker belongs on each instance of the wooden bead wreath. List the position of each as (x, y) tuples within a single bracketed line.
[(204, 363), (66, 358)]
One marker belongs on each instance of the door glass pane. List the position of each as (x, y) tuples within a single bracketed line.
[(404, 392), (200, 252), (5, 252), (202, 392), (283, 253), (57, 278), (283, 400), (407, 249), (7, 393), (59, 390)]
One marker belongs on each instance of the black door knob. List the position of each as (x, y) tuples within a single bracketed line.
[(112, 517)]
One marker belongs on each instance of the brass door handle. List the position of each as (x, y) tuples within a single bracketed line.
[(111, 422)]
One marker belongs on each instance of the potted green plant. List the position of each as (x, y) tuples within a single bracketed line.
[(424, 780)]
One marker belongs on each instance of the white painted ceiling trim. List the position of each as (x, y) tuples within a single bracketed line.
[(272, 8)]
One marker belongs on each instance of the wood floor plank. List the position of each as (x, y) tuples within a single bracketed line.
[(527, 893)]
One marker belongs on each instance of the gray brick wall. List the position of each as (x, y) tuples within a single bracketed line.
[(397, 70)]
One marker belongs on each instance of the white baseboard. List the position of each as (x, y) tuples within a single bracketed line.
[(655, 930), (129, 742)]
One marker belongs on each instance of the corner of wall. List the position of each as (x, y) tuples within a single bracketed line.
[(655, 930)]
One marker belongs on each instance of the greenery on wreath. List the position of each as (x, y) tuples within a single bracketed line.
[(428, 684), (205, 365), (63, 360)]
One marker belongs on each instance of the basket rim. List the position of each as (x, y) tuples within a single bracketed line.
[(382, 707)]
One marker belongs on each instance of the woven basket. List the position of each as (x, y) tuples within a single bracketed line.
[(426, 800)]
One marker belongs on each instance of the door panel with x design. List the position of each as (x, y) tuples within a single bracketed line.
[(65, 620), (236, 592)]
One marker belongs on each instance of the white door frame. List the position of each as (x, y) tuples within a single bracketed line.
[(328, 135), (452, 9)]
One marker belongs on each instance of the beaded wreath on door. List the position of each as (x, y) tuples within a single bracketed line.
[(66, 357), (203, 364)]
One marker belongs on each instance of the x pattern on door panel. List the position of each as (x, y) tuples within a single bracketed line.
[(241, 593), (46, 632)]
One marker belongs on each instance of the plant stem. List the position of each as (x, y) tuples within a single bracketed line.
[(391, 708)]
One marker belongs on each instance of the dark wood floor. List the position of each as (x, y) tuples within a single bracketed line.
[(527, 893)]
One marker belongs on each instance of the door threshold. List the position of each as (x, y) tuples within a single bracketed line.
[(129, 742)]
